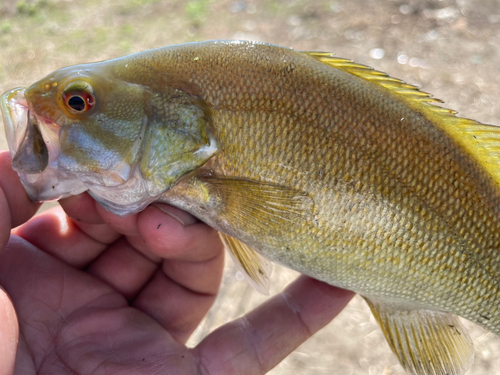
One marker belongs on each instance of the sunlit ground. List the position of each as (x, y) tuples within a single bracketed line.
[(450, 48)]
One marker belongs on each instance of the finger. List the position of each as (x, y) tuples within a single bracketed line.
[(167, 237), (15, 205), (182, 217), (9, 334), (128, 265), (138, 243), (54, 233), (200, 277), (257, 342), (82, 208), (128, 271), (180, 296), (84, 212), (176, 308), (124, 268), (125, 225)]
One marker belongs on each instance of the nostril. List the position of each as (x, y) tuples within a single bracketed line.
[(32, 155)]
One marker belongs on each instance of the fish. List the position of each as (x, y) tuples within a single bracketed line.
[(305, 159)]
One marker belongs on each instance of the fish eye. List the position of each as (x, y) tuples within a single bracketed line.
[(76, 103), (79, 97)]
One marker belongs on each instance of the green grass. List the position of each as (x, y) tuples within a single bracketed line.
[(30, 8), (196, 11)]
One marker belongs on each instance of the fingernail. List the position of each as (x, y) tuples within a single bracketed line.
[(182, 217)]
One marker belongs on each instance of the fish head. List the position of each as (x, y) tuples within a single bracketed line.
[(82, 128)]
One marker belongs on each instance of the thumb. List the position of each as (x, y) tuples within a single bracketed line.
[(9, 334), (15, 206)]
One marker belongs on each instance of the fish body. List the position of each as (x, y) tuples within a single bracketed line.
[(317, 163)]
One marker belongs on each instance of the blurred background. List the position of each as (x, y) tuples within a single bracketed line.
[(449, 48)]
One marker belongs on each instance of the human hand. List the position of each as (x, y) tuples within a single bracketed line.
[(98, 294)]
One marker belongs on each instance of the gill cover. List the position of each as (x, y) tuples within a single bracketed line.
[(179, 138), (133, 144)]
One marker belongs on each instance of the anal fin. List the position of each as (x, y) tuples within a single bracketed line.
[(426, 342), (256, 268)]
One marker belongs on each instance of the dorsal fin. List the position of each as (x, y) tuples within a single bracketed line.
[(481, 141), (380, 78)]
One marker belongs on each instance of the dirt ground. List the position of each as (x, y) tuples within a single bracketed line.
[(450, 48)]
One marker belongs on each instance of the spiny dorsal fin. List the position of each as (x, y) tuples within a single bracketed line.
[(480, 141), (425, 342), (256, 268)]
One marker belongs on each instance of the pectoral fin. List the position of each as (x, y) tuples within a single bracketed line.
[(256, 268), (425, 342), (259, 208)]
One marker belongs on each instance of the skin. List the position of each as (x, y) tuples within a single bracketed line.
[(120, 295)]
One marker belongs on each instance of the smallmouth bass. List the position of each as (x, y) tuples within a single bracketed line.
[(320, 164)]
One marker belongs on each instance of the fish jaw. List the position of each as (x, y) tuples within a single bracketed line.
[(50, 183)]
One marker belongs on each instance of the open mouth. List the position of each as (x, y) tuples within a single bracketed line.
[(34, 146), (15, 117)]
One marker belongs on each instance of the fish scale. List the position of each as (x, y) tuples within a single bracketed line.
[(318, 163), (389, 162)]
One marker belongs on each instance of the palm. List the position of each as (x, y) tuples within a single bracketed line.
[(98, 332), (99, 294), (91, 296)]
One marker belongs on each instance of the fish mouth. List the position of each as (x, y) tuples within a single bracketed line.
[(34, 146)]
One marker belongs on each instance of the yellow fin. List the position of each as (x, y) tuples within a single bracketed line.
[(380, 78), (259, 208), (256, 268), (481, 141), (425, 342)]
